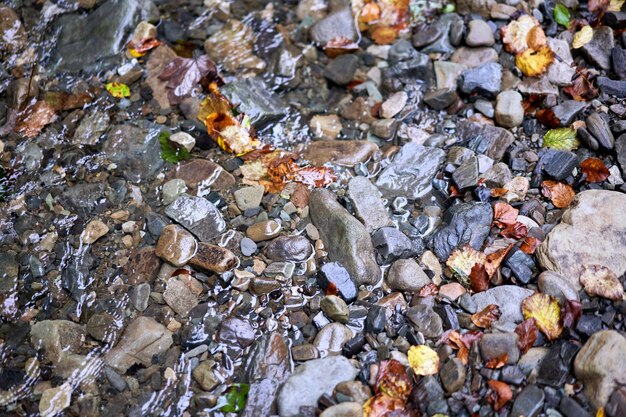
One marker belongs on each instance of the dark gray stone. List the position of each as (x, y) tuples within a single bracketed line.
[(402, 50), (528, 403), (441, 98), (599, 128), (289, 248), (484, 80), (252, 97), (341, 69), (453, 375), (618, 58), (391, 244), (376, 319), (567, 111), (559, 164), (612, 87), (486, 139), (411, 172), (334, 275), (85, 198), (620, 149), (198, 215), (496, 345), (465, 223), (466, 175), (442, 43), (368, 204), (520, 264), (425, 320), (598, 50)]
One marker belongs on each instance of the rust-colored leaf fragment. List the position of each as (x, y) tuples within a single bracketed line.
[(300, 196), (370, 13), (487, 316), (339, 46), (493, 260), (595, 170), (527, 335), (460, 342), (515, 231), (34, 118), (497, 362), (184, 74), (529, 245), (572, 311), (598, 6), (504, 214), (382, 405), (582, 88), (546, 312), (559, 193), (500, 394), (547, 118), (393, 380), (498, 192), (428, 290), (478, 278), (600, 281)]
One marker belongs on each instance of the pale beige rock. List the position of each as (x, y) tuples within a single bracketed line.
[(325, 126), (54, 400), (94, 230), (176, 245)]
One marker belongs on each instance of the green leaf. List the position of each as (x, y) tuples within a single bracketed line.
[(562, 15), (118, 90), (235, 399), (450, 8), (563, 139), (170, 151)]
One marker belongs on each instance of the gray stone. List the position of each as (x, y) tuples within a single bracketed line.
[(341, 70), (236, 332), (249, 197), (479, 33), (442, 44), (289, 248), (620, 149), (496, 345), (599, 128), (179, 296), (615, 88), (338, 24), (411, 172), (142, 339), (596, 218), (598, 50), (559, 164), (140, 295), (557, 286), (509, 109), (171, 190), (485, 107), (486, 139), (310, 381), (335, 308), (345, 238), (498, 175), (466, 175), (9, 270), (368, 204), (255, 99), (452, 375), (198, 215), (600, 365), (406, 275), (93, 42), (425, 320), (465, 223), (135, 150), (91, 128), (57, 338), (441, 98), (567, 111), (391, 244), (528, 403), (344, 409), (474, 57), (402, 50), (508, 297), (447, 74), (485, 80)]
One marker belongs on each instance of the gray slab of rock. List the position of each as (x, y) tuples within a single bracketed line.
[(345, 239), (252, 97), (567, 111), (289, 248), (143, 338), (600, 365), (91, 128), (620, 149), (557, 286), (508, 297), (93, 42), (465, 223), (368, 204), (310, 381), (340, 152), (411, 172), (338, 24), (529, 402), (474, 57), (598, 50), (198, 215), (485, 80), (612, 87), (406, 275), (486, 139), (466, 175), (135, 150), (496, 345), (595, 217)]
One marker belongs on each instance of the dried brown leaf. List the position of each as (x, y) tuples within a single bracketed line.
[(571, 312), (527, 335), (500, 394), (497, 362), (600, 281), (184, 74), (582, 88), (595, 170), (529, 245), (493, 260), (34, 118), (393, 380), (504, 214), (559, 193), (515, 231), (479, 279), (486, 316)]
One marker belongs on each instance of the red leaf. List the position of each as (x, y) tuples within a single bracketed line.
[(486, 316), (571, 312), (479, 280), (530, 244), (504, 214), (393, 380), (515, 231), (595, 170), (497, 362), (500, 395), (527, 332)]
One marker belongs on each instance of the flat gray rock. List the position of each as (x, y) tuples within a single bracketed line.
[(198, 215), (508, 297), (368, 204)]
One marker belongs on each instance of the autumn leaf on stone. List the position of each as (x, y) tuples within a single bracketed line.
[(515, 231), (572, 311), (384, 35), (497, 362), (486, 316), (547, 118), (478, 278), (595, 170), (559, 193), (529, 245), (546, 312), (137, 49), (34, 118), (527, 335), (562, 139), (462, 342), (118, 90), (461, 262), (183, 75), (500, 394), (393, 380), (582, 88), (369, 13), (582, 37), (504, 214), (533, 63), (494, 259), (382, 405), (598, 6), (600, 281), (423, 360), (315, 177), (339, 46), (515, 34), (427, 290)]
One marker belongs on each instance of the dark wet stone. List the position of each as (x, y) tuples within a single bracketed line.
[(9, 270), (197, 215), (555, 366), (411, 172), (391, 244), (442, 43), (336, 277), (528, 403), (559, 164), (567, 111), (484, 80), (93, 42), (289, 248), (402, 50), (466, 175), (465, 223), (376, 319), (103, 327), (345, 239), (587, 139), (236, 332), (598, 50), (441, 99), (612, 87), (599, 128), (617, 403), (486, 139), (115, 379), (253, 98), (520, 264), (156, 223), (427, 36), (84, 198), (143, 266), (452, 375), (618, 59), (512, 374), (588, 325), (425, 320), (420, 68), (267, 367), (140, 295), (570, 408), (368, 204), (496, 345), (427, 391)]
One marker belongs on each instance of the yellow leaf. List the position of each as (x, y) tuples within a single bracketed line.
[(423, 360), (515, 34), (118, 90), (582, 37), (534, 63), (615, 5), (546, 312)]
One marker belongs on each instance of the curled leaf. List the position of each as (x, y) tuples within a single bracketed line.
[(563, 139), (493, 260), (536, 38), (504, 214), (393, 380), (534, 63), (595, 170), (118, 90), (423, 360), (140, 48), (559, 193), (546, 312), (486, 316), (462, 342), (582, 88), (34, 118), (515, 34), (529, 245), (184, 74), (527, 335), (478, 278), (600, 281), (500, 394), (235, 398), (582, 37)]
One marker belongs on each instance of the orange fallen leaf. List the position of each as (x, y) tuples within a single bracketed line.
[(548, 118), (34, 118), (498, 192), (462, 342), (140, 48), (529, 245), (497, 362), (384, 35), (559, 193), (393, 380), (500, 394), (600, 281), (595, 170), (370, 13), (527, 335), (504, 214), (546, 312), (515, 231), (534, 63), (486, 316), (339, 46), (313, 176), (493, 260), (536, 38)]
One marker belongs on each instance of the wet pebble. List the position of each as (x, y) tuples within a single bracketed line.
[(264, 230), (289, 248), (176, 245)]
